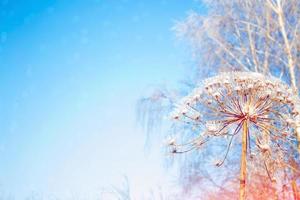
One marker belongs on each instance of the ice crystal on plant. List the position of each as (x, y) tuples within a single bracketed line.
[(221, 105)]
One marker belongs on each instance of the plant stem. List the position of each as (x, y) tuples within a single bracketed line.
[(243, 172), (294, 188)]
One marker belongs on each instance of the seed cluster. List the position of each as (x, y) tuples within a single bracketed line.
[(221, 105)]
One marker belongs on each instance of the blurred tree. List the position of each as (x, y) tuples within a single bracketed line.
[(251, 35)]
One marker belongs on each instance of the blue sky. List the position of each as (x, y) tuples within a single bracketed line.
[(70, 75)]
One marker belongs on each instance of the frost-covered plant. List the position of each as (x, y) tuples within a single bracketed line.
[(263, 108), (250, 35)]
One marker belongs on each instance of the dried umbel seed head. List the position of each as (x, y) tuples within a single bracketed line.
[(225, 101)]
